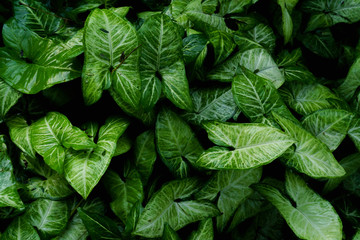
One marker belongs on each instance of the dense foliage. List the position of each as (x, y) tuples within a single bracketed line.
[(182, 119)]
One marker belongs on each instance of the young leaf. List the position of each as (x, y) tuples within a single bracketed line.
[(124, 194), (52, 134), (311, 156), (304, 218), (204, 232), (8, 188), (169, 205), (49, 217), (98, 226), (30, 63), (108, 36), (20, 228), (211, 104), (231, 187), (9, 98), (84, 169), (145, 155), (242, 145), (330, 126), (161, 56), (175, 141), (20, 134)]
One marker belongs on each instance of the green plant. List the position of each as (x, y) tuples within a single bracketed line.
[(182, 119)]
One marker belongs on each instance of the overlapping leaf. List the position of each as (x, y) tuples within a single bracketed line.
[(169, 205), (20, 228), (52, 134), (304, 218), (9, 98), (242, 146), (111, 58), (205, 231), (84, 169)]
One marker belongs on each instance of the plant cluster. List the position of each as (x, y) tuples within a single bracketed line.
[(181, 119)]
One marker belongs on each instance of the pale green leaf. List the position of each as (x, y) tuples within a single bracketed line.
[(98, 226), (84, 169), (256, 97), (30, 63), (145, 155), (20, 229), (49, 217), (211, 104), (193, 46), (242, 145), (52, 134), (306, 98), (209, 6), (35, 165), (169, 205), (311, 156), (175, 141), (123, 145), (36, 17), (179, 8), (229, 188), (207, 23), (357, 235), (204, 232), (161, 57), (169, 233), (354, 131), (124, 194), (304, 218), (107, 38), (330, 126), (20, 134), (8, 98), (8, 186), (287, 24)]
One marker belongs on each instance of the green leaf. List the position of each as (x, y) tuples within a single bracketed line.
[(30, 63), (105, 44), (257, 60), (133, 218), (330, 126), (179, 8), (145, 155), (354, 131), (36, 17), (287, 24), (49, 217), (311, 156), (223, 45), (193, 46), (328, 13), (211, 104), (20, 134), (8, 99), (161, 57), (204, 232), (54, 187), (233, 6), (256, 97), (8, 188), (304, 218), (357, 235), (98, 226), (348, 87), (207, 23), (75, 229), (123, 145), (169, 233), (20, 229), (350, 164), (322, 43), (229, 188), (242, 145), (124, 194), (169, 205), (176, 143), (84, 169), (306, 98), (52, 134)]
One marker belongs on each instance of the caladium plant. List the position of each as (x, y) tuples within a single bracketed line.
[(179, 119)]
